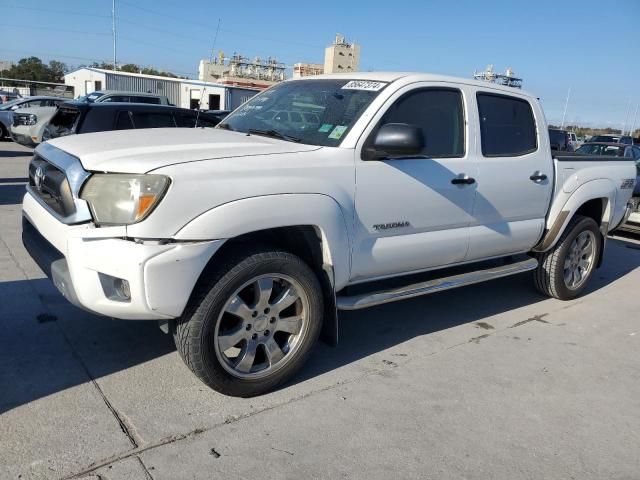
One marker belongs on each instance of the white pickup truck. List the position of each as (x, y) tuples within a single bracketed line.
[(320, 194)]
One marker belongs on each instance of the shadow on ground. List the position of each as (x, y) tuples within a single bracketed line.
[(11, 194), (12, 153), (42, 355)]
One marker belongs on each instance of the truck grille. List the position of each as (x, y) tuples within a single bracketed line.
[(51, 186)]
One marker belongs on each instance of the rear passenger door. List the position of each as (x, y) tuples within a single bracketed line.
[(515, 174)]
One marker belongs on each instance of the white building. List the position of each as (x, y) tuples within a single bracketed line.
[(341, 57), (180, 92)]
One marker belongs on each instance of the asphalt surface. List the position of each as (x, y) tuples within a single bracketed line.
[(487, 382)]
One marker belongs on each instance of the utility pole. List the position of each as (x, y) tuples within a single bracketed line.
[(633, 125), (566, 104), (626, 117), (113, 32)]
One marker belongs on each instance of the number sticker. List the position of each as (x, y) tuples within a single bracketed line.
[(364, 85)]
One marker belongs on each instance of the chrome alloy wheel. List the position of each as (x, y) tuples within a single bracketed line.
[(261, 326), (579, 260)]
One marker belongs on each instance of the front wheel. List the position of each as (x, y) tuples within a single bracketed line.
[(253, 324), (564, 271)]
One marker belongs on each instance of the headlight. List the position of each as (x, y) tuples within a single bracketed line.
[(25, 119), (122, 199)]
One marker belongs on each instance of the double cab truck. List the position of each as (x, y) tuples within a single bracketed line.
[(244, 241)]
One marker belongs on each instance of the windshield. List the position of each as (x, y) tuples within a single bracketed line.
[(315, 112), (604, 138), (7, 105), (598, 149)]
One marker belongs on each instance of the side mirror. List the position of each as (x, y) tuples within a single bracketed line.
[(395, 140)]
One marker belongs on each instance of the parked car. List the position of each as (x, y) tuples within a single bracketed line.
[(609, 149), (573, 141), (219, 114), (6, 96), (82, 117), (29, 123), (131, 97), (243, 240), (560, 140), (626, 139), (605, 138), (7, 109)]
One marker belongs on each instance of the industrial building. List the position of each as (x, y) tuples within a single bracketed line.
[(241, 71), (307, 69), (181, 92), (341, 56)]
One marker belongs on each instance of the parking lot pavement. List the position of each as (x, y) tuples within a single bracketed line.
[(490, 381)]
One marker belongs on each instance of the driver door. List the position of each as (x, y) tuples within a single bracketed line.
[(414, 213)]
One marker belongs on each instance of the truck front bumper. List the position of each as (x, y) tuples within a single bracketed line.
[(114, 276)]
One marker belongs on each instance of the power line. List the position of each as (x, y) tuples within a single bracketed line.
[(61, 12), (53, 29)]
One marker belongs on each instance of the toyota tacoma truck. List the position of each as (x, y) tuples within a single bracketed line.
[(329, 193)]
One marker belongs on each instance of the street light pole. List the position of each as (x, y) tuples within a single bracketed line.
[(633, 125), (566, 104), (113, 31)]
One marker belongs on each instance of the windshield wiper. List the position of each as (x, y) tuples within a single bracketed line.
[(225, 126), (273, 134)]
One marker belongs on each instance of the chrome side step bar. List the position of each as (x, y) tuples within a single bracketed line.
[(366, 300)]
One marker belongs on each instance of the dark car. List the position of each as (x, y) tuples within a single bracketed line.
[(559, 140), (82, 117), (605, 138), (221, 114), (614, 149), (610, 149)]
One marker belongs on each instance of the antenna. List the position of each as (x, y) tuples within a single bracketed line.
[(113, 32), (204, 87)]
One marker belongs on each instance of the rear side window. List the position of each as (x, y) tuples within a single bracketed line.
[(152, 100), (152, 120), (507, 126)]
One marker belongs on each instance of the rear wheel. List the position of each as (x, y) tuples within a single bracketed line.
[(253, 324), (564, 271), (3, 132)]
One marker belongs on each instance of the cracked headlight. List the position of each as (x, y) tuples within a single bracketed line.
[(123, 199)]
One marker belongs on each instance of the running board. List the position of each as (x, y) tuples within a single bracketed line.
[(366, 300)]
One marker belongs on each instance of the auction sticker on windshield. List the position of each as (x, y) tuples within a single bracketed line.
[(338, 132), (364, 85)]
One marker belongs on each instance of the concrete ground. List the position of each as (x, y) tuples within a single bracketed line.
[(488, 382)]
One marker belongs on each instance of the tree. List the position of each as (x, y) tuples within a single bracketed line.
[(32, 68)]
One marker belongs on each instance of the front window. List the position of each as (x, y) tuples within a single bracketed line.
[(315, 112)]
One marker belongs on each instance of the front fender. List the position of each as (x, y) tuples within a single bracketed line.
[(272, 211), (565, 206)]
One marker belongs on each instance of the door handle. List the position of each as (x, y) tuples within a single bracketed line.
[(538, 177), (463, 179)]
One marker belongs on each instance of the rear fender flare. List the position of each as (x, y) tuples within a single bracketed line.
[(565, 207)]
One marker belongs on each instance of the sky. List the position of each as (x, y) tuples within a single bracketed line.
[(590, 47)]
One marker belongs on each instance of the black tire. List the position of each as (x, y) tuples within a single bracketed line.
[(549, 275), (3, 132), (195, 332)]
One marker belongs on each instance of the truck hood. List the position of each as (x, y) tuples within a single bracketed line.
[(141, 151)]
